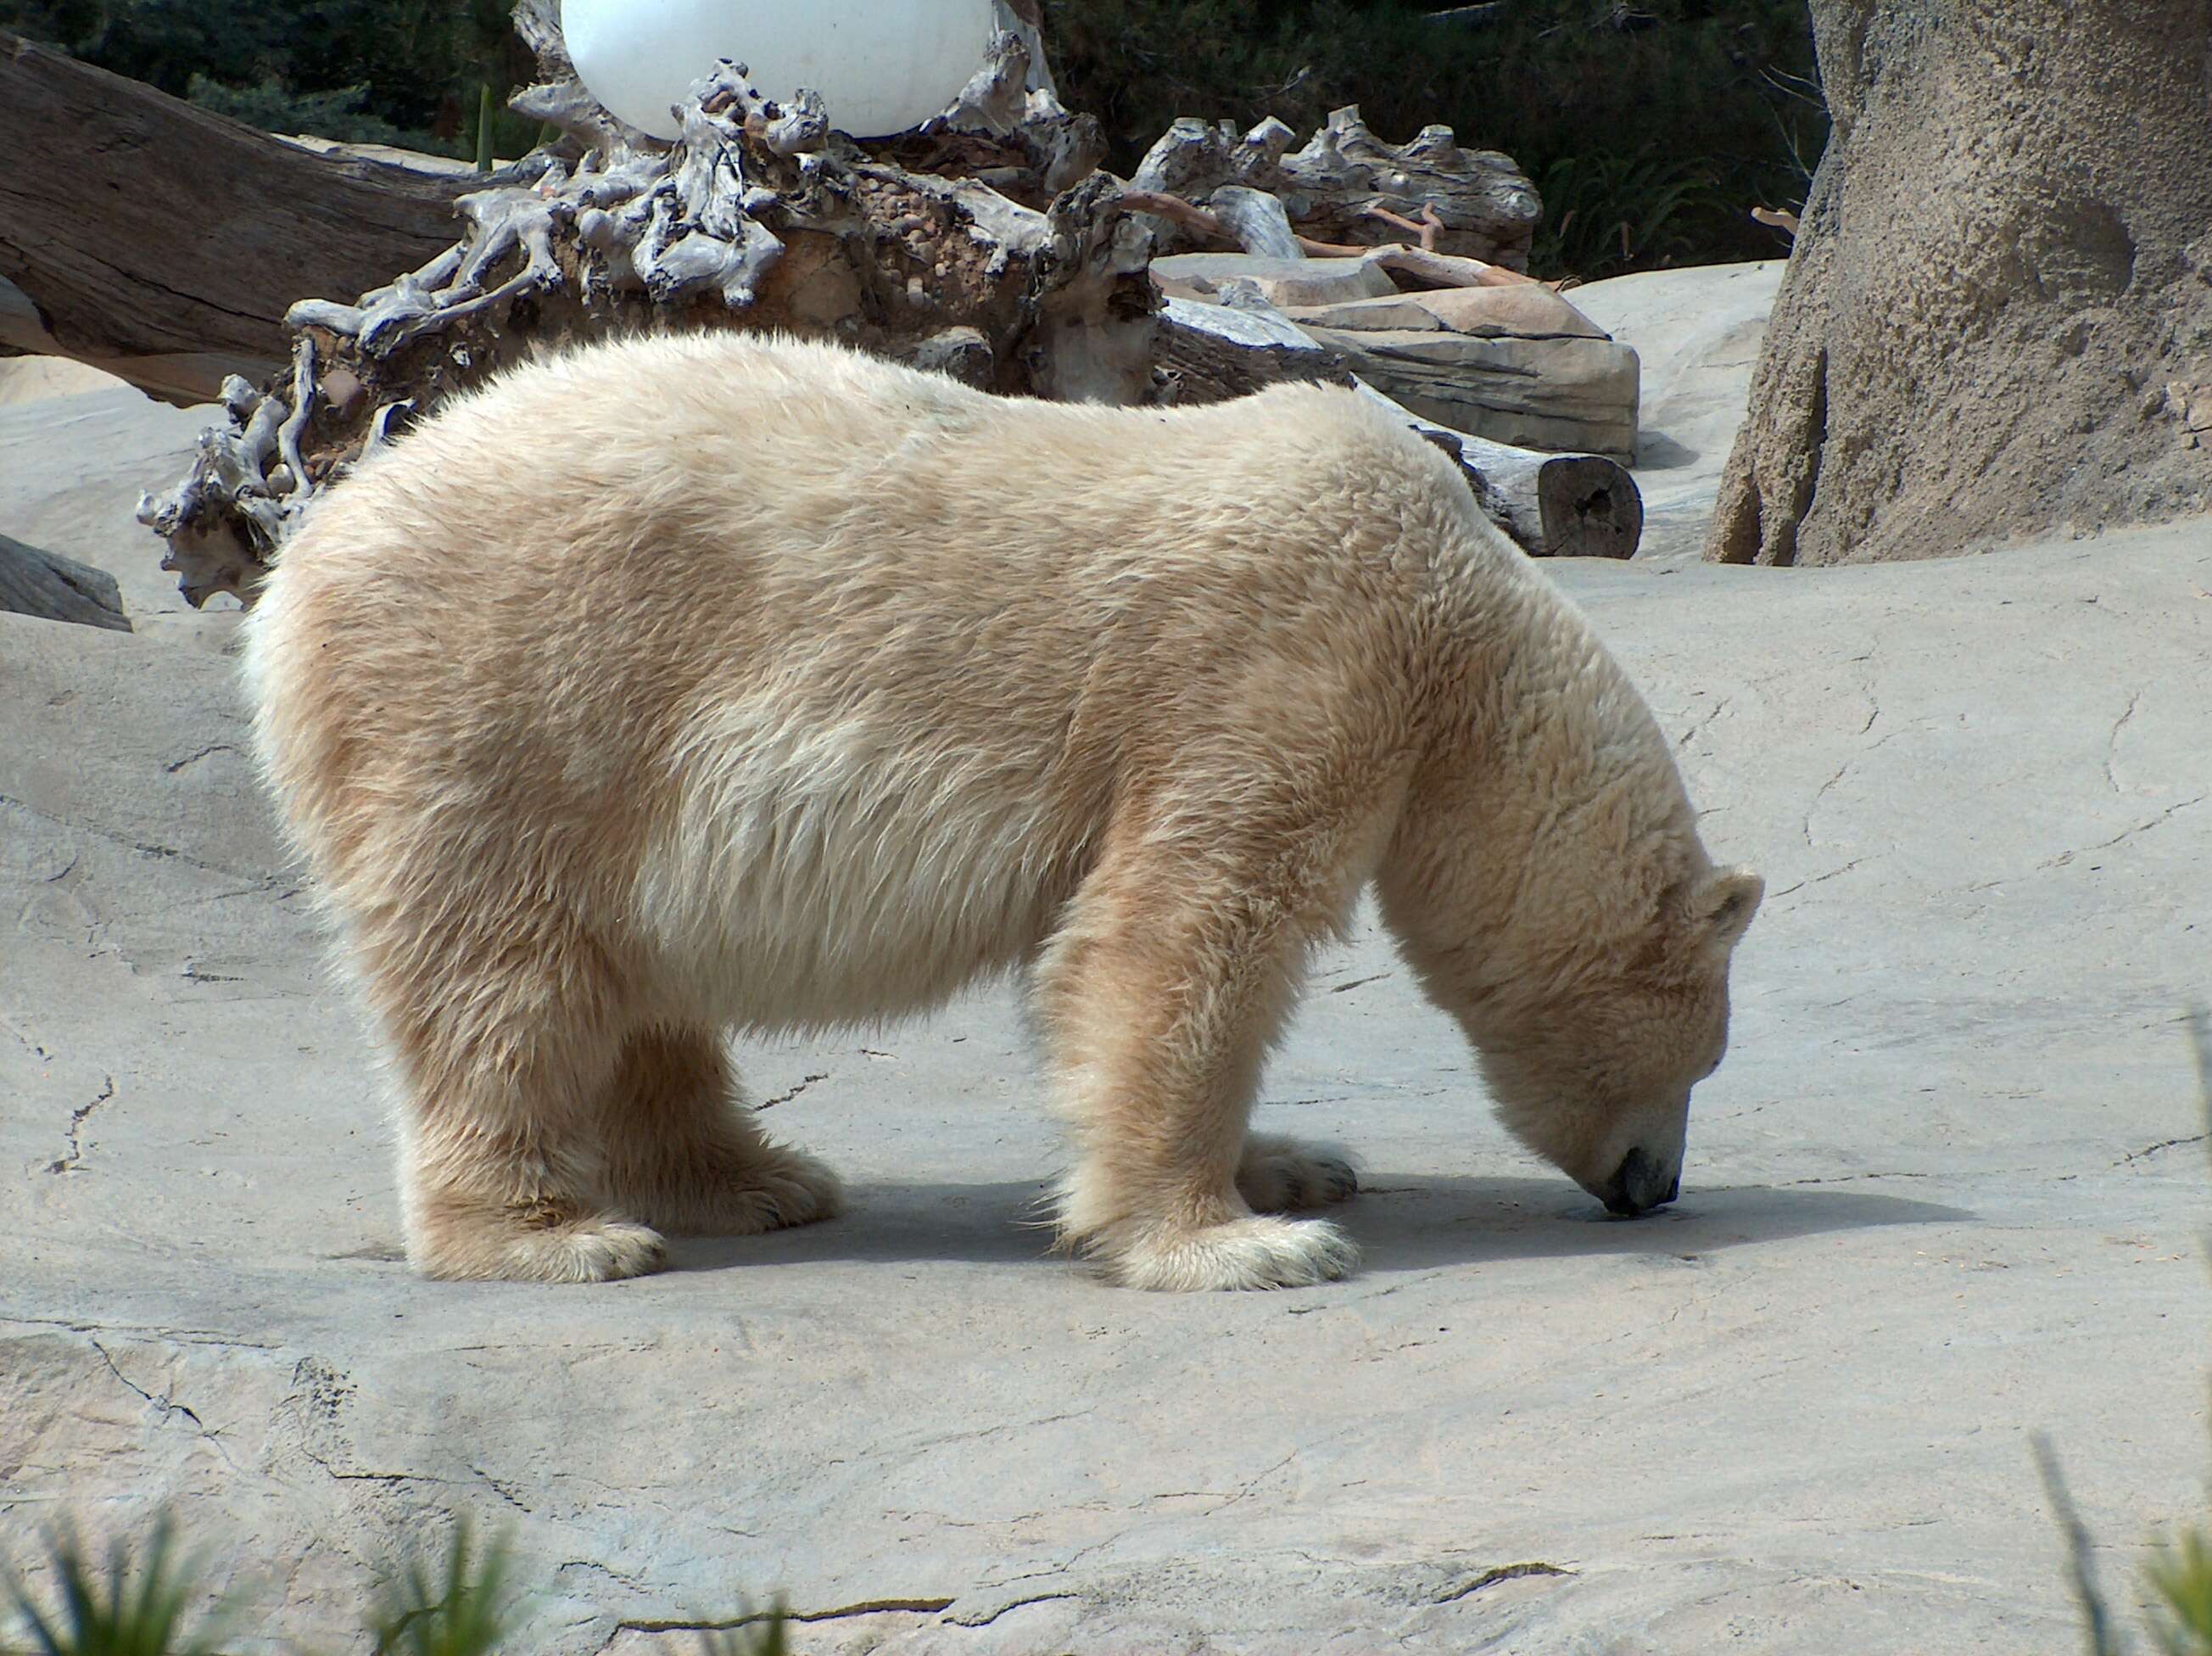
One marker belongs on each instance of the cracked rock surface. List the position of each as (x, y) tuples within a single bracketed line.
[(1946, 1192)]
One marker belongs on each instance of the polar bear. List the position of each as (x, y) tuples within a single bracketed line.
[(691, 684)]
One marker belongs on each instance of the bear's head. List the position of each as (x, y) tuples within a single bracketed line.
[(1594, 1005), (1595, 1075)]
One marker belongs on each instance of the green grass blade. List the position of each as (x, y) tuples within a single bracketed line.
[(2181, 1576), (2096, 1619), (483, 128)]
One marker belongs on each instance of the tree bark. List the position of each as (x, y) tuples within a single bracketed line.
[(163, 243), (1996, 322)]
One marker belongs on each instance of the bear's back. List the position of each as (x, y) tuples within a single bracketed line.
[(761, 643)]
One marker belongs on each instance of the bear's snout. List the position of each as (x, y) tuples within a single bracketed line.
[(1639, 1185)]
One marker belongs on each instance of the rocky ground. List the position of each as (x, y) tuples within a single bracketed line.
[(1946, 1192)]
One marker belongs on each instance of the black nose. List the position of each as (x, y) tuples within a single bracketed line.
[(1636, 1185)]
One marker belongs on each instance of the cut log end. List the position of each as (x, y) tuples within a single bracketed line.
[(1588, 506), (1549, 505)]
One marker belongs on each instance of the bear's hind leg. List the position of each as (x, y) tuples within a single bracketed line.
[(1160, 996), (501, 1046), (499, 1152), (684, 1153)]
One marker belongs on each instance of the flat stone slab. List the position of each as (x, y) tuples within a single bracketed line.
[(1525, 310), (1562, 393), (1945, 1193)]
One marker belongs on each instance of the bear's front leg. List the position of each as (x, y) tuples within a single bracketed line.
[(1160, 996)]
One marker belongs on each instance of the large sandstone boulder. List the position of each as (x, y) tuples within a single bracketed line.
[(1515, 364), (1997, 323)]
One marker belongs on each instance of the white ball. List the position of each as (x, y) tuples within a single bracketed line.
[(881, 66)]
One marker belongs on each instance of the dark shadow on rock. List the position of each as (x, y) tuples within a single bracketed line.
[(1415, 1224), (1400, 1222), (1658, 452), (982, 1224)]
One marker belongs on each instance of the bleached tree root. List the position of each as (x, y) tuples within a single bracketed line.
[(757, 216)]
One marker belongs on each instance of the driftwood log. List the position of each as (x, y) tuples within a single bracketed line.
[(1346, 187), (1552, 505), (758, 217), (34, 582), (163, 243)]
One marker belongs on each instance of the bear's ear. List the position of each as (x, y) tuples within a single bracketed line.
[(1723, 904)]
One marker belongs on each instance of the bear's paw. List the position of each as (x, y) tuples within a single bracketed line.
[(1282, 1175), (778, 1188), (1256, 1251), (598, 1248)]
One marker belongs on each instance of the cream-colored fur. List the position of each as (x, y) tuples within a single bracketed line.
[(691, 684)]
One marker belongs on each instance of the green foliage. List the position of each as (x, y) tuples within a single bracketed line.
[(123, 1611), (2180, 1571), (1609, 212), (484, 115), (269, 105), (2181, 1576), (404, 72), (463, 1603), (1666, 121), (465, 1607)]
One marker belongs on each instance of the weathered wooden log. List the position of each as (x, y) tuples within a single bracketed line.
[(163, 243), (1483, 205), (34, 582), (1552, 505), (1213, 352), (1257, 220)]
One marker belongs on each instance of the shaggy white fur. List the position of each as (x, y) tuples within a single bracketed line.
[(697, 683)]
